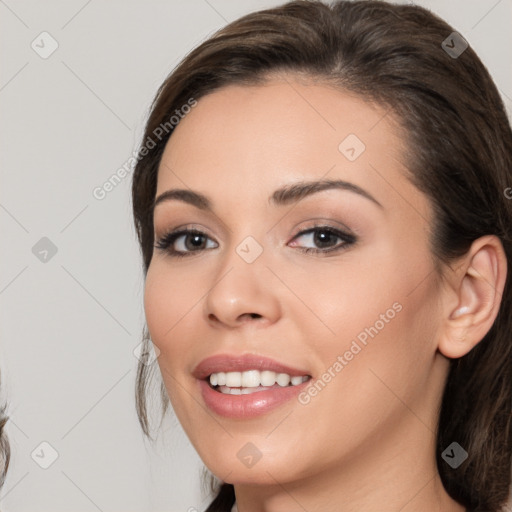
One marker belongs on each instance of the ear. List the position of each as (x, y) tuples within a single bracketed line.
[(473, 296)]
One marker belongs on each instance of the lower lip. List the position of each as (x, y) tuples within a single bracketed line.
[(248, 406)]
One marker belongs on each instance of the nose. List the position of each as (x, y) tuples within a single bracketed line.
[(242, 293)]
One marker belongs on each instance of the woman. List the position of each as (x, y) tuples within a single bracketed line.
[(321, 202)]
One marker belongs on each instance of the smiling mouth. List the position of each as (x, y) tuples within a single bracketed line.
[(252, 381)]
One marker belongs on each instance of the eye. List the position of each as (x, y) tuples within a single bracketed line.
[(325, 239), (184, 242)]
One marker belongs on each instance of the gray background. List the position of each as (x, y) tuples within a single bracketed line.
[(69, 325)]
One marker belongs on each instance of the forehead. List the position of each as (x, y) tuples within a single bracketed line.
[(280, 116), (250, 140)]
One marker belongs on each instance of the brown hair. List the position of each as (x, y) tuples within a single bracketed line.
[(459, 153), (5, 450)]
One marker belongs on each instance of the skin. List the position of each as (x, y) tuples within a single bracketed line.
[(367, 440)]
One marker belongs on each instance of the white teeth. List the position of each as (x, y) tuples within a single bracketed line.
[(240, 391), (248, 391), (267, 378), (283, 379), (296, 380), (253, 380), (233, 379)]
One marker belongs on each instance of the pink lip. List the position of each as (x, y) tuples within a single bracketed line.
[(240, 363), (245, 406)]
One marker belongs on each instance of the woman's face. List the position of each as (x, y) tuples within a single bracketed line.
[(357, 314)]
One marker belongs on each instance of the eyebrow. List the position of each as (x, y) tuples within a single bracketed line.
[(285, 195)]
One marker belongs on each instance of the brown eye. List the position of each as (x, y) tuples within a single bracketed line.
[(183, 242), (324, 239)]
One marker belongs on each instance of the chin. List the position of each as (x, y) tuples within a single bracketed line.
[(242, 462)]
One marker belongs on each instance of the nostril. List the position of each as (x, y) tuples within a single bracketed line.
[(250, 315)]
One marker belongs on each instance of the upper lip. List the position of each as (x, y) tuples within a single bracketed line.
[(240, 363)]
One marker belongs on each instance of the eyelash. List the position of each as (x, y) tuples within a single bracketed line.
[(166, 241)]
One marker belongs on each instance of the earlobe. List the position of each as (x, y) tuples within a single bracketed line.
[(476, 290)]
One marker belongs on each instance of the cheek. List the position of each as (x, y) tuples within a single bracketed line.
[(168, 305), (381, 349), (168, 299), (377, 313), (342, 299)]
